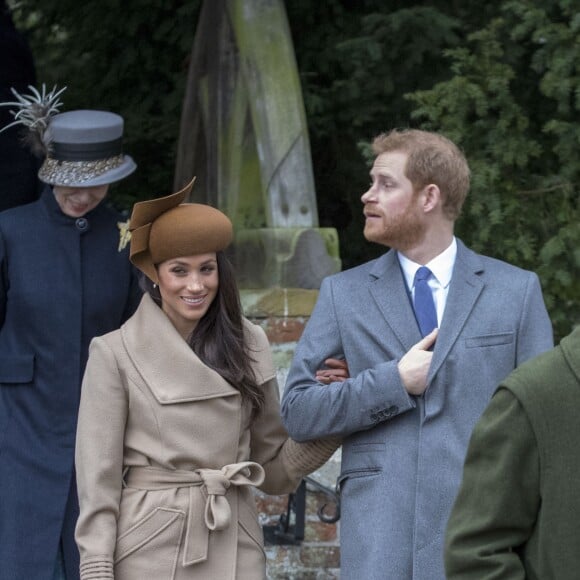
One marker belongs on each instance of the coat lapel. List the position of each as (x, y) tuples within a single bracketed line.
[(388, 289), (165, 361), (464, 290)]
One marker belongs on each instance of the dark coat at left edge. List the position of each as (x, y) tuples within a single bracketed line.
[(62, 282)]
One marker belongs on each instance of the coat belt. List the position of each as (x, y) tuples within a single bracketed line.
[(216, 510)]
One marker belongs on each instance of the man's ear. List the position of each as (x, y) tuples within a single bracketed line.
[(431, 197)]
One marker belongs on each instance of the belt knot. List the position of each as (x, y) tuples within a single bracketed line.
[(216, 483), (217, 511), (209, 508)]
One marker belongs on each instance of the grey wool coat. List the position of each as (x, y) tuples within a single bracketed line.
[(167, 456), (402, 456)]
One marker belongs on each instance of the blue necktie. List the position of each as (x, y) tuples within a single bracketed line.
[(423, 302)]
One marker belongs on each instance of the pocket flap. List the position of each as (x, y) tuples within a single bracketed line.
[(150, 527), (18, 368), (490, 340)]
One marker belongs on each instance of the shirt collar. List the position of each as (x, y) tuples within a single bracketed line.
[(441, 266)]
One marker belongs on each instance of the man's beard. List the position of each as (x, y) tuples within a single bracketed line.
[(400, 233)]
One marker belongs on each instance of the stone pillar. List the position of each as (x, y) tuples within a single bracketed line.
[(244, 134), (285, 258)]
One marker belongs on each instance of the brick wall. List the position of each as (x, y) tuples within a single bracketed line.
[(316, 557), (283, 313)]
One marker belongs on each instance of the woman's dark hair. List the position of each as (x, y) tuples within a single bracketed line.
[(218, 339)]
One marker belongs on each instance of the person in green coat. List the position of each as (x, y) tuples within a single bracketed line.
[(517, 514)]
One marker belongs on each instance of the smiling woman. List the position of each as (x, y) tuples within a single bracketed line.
[(188, 286), (188, 393), (77, 201)]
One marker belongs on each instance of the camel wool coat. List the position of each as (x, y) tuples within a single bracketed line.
[(167, 455)]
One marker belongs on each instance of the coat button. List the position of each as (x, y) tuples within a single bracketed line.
[(82, 224)]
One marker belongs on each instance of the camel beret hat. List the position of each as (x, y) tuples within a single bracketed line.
[(166, 228)]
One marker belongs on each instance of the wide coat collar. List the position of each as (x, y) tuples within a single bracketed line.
[(166, 363), (388, 288)]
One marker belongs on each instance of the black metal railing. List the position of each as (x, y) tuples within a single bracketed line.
[(290, 526)]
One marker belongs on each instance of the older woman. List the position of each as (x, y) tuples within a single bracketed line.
[(179, 416), (65, 277)]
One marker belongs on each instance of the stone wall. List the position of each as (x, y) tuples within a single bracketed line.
[(283, 313)]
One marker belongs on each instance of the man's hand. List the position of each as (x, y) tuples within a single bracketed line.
[(414, 366), (337, 370)]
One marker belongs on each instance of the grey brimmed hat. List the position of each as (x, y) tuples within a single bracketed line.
[(85, 149)]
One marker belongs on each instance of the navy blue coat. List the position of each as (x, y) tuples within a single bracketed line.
[(62, 282)]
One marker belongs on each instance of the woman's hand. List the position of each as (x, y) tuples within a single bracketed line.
[(336, 370)]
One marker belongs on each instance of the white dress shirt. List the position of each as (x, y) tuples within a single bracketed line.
[(441, 267)]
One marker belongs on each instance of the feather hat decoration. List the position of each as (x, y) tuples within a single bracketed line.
[(34, 111), (81, 148)]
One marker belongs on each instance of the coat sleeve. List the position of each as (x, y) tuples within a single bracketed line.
[(99, 461), (285, 461), (311, 409), (499, 497)]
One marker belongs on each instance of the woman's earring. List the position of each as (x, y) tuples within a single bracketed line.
[(154, 286)]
